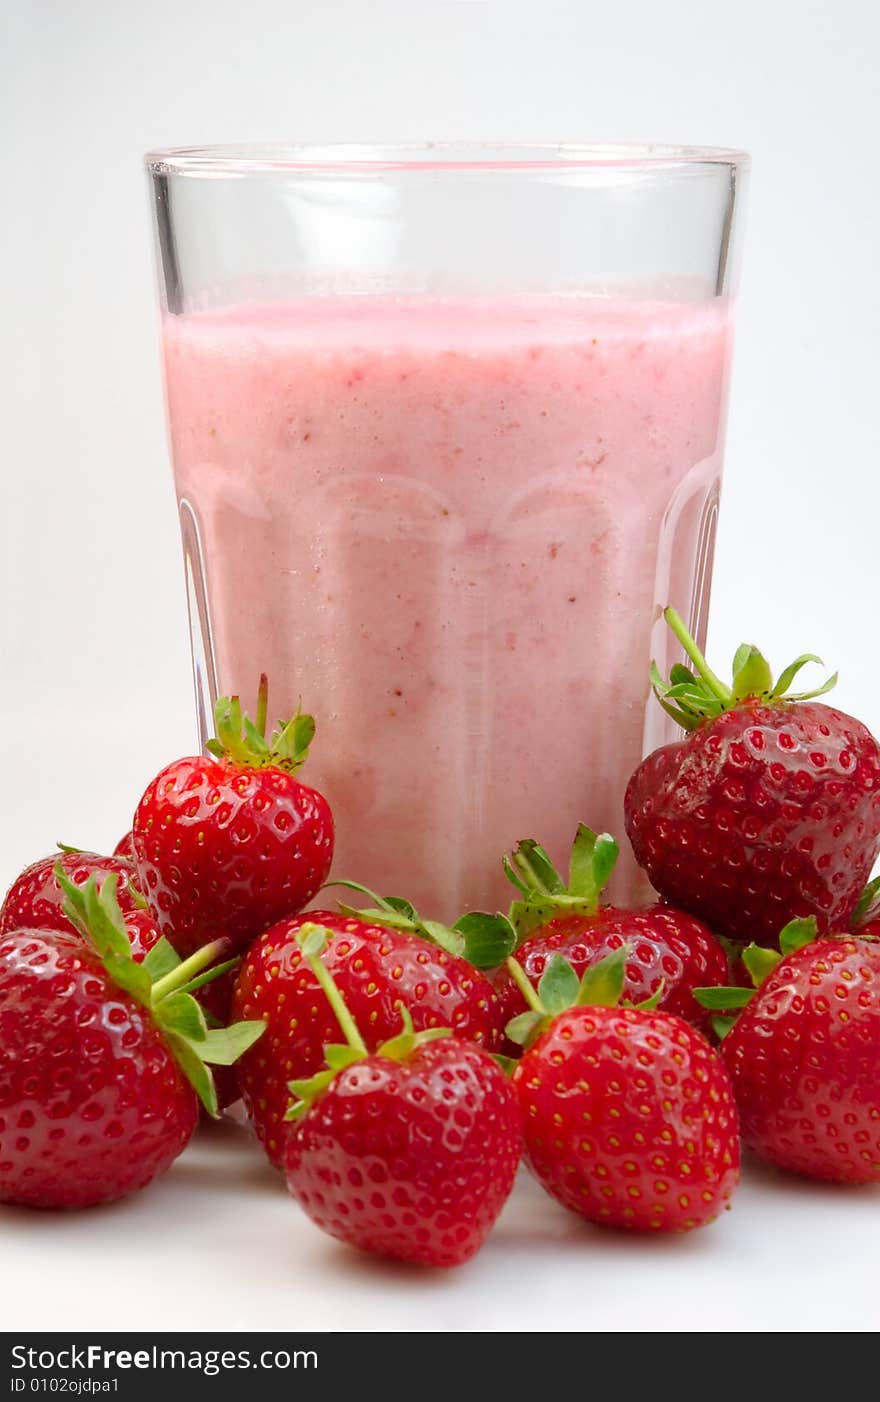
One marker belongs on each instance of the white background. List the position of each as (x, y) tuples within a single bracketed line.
[(93, 644)]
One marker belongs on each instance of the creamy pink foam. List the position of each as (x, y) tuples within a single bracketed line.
[(445, 525)]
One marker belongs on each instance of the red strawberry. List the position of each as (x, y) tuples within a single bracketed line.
[(100, 1059), (804, 1054), (92, 1104), (410, 1152), (629, 1116), (232, 843), (768, 809), (670, 953), (125, 848), (143, 934), (379, 970), (35, 899)]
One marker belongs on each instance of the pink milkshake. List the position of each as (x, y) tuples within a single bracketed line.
[(445, 525)]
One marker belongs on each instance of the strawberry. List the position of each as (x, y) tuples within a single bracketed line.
[(231, 843), (143, 934), (768, 809), (125, 848), (410, 1152), (102, 1059), (670, 953), (35, 899), (379, 970), (629, 1115), (141, 929), (804, 1053)]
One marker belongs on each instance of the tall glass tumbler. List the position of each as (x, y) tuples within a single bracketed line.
[(447, 431)]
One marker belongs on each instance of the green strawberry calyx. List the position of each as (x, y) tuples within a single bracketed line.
[(163, 983), (868, 905), (483, 940), (312, 940), (543, 892), (559, 988), (694, 695), (727, 1002), (135, 895), (243, 741)]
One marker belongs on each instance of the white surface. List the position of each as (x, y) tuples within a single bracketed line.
[(218, 1245), (90, 570)]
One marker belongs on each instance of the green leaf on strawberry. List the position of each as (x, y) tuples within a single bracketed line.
[(796, 934), (691, 697), (340, 1055), (526, 1027), (488, 939), (602, 983), (182, 1014), (244, 741), (96, 914), (866, 906), (484, 940), (560, 989), (162, 983), (722, 999), (209, 975), (162, 959), (559, 986), (759, 962), (313, 941), (751, 673), (222, 1046), (543, 892)]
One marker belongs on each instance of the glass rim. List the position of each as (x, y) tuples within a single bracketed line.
[(244, 159)]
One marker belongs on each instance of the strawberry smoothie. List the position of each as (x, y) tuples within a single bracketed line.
[(445, 525)]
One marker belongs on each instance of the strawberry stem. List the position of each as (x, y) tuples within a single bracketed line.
[(520, 978), (543, 892), (189, 968), (262, 704), (312, 942), (216, 971), (135, 896), (338, 1057), (715, 684), (694, 697), (529, 871), (243, 741)]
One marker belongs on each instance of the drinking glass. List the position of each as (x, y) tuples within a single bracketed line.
[(447, 428)]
